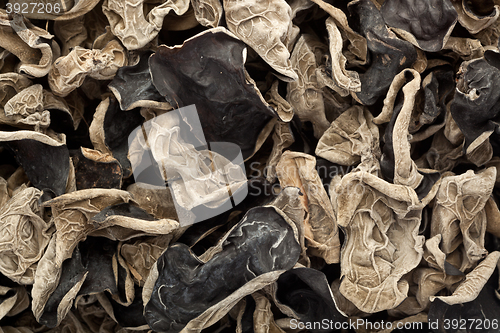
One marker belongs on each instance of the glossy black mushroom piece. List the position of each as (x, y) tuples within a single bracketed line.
[(133, 87), (475, 107), (426, 24), (307, 293), (263, 241), (44, 159), (390, 54), (208, 71)]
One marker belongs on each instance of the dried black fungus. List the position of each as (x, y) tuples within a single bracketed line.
[(208, 71), (428, 23), (186, 286), (475, 106), (389, 54), (307, 292), (45, 160), (133, 87)]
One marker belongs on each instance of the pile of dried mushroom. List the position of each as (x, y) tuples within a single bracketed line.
[(370, 131)]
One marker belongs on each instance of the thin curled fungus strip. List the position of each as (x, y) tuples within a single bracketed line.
[(348, 80), (474, 282)]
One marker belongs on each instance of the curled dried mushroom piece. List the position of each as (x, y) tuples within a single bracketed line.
[(459, 215), (24, 235), (381, 222), (180, 295), (69, 72), (266, 26), (129, 23)]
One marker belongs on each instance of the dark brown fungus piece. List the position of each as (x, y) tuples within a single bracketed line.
[(110, 129), (230, 110), (130, 316), (96, 170), (133, 87), (44, 159), (437, 89), (262, 242), (425, 24), (390, 54), (475, 107), (307, 292)]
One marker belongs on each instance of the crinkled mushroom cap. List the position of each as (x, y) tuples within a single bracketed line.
[(459, 215), (69, 72), (128, 22), (351, 138), (381, 223), (266, 26), (426, 24), (24, 235)]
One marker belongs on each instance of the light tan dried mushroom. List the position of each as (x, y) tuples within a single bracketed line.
[(265, 27), (381, 222), (282, 139), (130, 24), (320, 227), (24, 235), (344, 79), (14, 301), (72, 33), (27, 109), (289, 201), (474, 282), (472, 22), (351, 138), (141, 255), (305, 94), (32, 45), (197, 183), (357, 49), (219, 310), (459, 215), (207, 12), (281, 105), (69, 72), (10, 85)]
